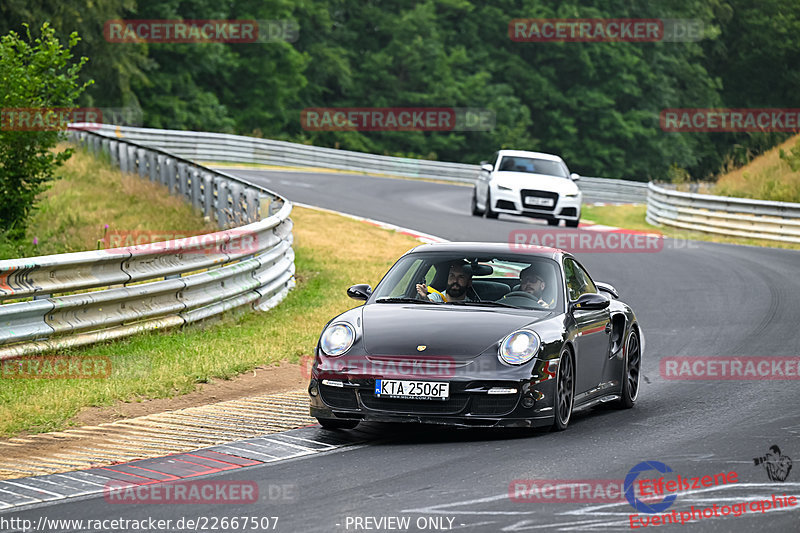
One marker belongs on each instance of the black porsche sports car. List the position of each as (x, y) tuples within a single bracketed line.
[(477, 334)]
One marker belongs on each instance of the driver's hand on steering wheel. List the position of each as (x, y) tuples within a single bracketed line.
[(422, 290)]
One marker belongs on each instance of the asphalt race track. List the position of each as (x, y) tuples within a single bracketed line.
[(692, 299)]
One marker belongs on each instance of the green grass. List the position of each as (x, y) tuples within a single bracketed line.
[(633, 217), (332, 253), (90, 194)]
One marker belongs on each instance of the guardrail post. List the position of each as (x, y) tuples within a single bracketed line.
[(197, 189), (264, 201), (172, 175), (208, 194), (236, 203), (182, 179), (251, 196), (112, 150), (223, 209), (142, 160)]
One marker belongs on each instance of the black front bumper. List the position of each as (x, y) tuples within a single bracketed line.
[(468, 403)]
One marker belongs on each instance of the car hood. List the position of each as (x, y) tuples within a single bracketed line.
[(458, 332), (539, 182)]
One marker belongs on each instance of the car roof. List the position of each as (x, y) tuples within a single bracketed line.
[(468, 248), (522, 153)]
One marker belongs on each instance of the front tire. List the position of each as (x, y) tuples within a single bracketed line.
[(475, 211), (573, 223), (565, 392), (552, 222), (490, 213), (337, 423), (632, 364)]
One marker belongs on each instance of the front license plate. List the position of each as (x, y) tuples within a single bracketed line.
[(532, 200), (415, 390)]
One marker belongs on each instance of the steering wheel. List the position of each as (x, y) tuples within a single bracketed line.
[(522, 293), (527, 295)]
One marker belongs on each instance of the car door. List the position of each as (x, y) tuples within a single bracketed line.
[(592, 339), (482, 186)]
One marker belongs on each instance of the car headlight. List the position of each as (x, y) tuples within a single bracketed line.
[(519, 347), (503, 188), (337, 339), (573, 195)]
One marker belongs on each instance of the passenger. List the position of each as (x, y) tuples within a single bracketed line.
[(532, 282), (459, 286)]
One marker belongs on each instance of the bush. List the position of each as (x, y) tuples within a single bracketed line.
[(35, 75)]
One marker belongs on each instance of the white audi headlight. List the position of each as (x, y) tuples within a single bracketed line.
[(519, 347), (337, 338)]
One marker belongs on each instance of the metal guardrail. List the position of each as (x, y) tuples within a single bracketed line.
[(723, 215), (86, 297), (223, 147)]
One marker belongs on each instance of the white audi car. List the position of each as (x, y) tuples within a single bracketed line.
[(530, 184)]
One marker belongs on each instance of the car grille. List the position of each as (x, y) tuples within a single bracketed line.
[(539, 194), (339, 397), (454, 404), (493, 405)]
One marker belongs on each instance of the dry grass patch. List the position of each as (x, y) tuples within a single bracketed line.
[(88, 194), (767, 177)]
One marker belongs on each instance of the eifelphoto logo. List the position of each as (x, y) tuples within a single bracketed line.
[(182, 492), (730, 368), (586, 241), (234, 241), (48, 118), (397, 119), (601, 30), (56, 367), (730, 119), (200, 31)]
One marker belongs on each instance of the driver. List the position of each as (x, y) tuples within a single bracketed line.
[(459, 285), (532, 282)]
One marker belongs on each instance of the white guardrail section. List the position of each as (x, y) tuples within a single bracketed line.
[(724, 215), (58, 301), (221, 147)]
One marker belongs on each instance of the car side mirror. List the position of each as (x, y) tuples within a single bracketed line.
[(487, 167), (574, 177), (360, 292), (607, 287), (590, 302)]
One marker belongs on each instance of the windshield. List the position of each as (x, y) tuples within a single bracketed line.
[(532, 165), (518, 281)]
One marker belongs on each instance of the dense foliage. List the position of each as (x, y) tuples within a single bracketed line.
[(597, 104), (35, 72)]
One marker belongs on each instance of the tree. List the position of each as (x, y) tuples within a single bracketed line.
[(35, 76)]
